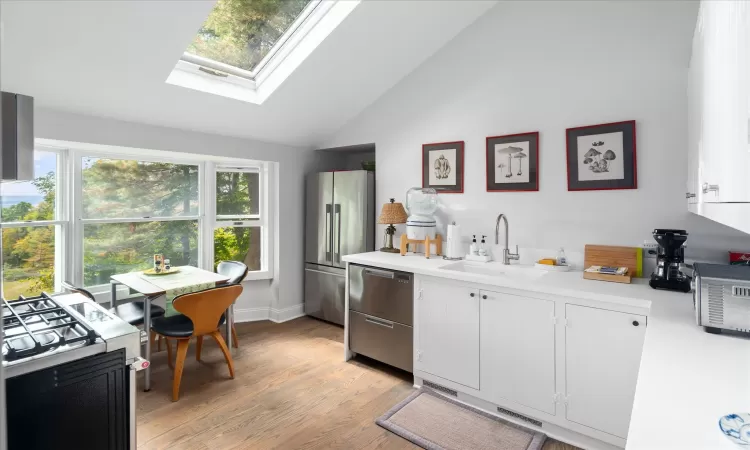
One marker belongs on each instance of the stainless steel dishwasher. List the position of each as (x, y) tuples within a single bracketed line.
[(381, 310)]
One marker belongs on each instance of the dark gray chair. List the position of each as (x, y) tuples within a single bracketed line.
[(236, 272)]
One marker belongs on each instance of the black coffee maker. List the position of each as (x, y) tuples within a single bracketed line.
[(671, 254)]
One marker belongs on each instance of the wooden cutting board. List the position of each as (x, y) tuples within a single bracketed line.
[(613, 256)]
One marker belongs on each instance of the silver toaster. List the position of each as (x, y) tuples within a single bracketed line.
[(721, 297)]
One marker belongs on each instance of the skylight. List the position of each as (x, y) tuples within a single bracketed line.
[(247, 48), (241, 33)]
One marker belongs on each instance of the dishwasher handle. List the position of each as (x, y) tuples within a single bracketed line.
[(379, 273)]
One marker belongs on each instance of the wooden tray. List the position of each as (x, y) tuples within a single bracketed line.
[(612, 256), (152, 273), (607, 277)]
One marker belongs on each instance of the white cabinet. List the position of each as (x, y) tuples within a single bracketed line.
[(447, 332), (602, 356), (718, 150), (518, 350)]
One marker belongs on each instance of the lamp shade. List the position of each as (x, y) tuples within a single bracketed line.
[(392, 213)]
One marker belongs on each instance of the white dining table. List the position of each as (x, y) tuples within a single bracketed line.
[(153, 287)]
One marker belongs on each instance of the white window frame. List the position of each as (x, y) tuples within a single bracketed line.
[(62, 220), (262, 219), (313, 25), (69, 207), (79, 221)]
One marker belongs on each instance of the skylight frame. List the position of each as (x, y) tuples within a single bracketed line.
[(294, 28)]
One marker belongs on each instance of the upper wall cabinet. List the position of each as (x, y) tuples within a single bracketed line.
[(718, 105)]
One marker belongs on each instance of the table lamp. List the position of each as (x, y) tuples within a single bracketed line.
[(391, 214)]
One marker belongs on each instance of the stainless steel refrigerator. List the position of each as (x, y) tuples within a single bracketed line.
[(339, 220)]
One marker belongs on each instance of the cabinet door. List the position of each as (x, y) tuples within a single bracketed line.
[(448, 332), (518, 350), (724, 161), (695, 107), (602, 355)]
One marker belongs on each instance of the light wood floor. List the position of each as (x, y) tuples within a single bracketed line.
[(292, 391)]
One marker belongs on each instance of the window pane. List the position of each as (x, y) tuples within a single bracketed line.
[(112, 248), (28, 261), (237, 194), (238, 244), (241, 32), (31, 200), (119, 188)]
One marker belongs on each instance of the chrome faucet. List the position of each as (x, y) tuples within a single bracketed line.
[(507, 255)]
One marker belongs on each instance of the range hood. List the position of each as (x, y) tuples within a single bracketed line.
[(17, 137)]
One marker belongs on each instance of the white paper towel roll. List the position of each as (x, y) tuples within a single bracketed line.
[(454, 247)]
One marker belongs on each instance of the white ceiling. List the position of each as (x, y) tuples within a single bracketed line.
[(111, 59)]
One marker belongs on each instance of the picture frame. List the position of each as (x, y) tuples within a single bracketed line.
[(520, 171), (443, 167), (602, 157)]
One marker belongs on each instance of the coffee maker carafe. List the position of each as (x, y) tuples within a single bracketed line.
[(670, 256)]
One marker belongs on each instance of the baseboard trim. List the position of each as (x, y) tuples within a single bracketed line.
[(290, 313), (267, 313), (251, 314)]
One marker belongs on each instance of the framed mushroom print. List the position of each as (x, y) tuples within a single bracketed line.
[(443, 166), (602, 157), (513, 162)]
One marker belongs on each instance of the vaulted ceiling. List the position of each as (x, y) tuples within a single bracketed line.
[(111, 59)]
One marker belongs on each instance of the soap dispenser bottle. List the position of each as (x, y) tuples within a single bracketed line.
[(483, 247), (473, 249)]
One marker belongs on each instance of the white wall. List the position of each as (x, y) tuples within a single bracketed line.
[(546, 66), (279, 298)]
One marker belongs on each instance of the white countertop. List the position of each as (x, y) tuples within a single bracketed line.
[(687, 379)]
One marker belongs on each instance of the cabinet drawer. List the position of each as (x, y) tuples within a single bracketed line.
[(380, 339), (382, 293)]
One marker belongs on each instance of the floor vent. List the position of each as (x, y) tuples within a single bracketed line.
[(439, 388), (515, 415)]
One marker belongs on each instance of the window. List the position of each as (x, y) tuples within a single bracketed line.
[(132, 209), (246, 48), (32, 229), (96, 211), (240, 33), (239, 220)]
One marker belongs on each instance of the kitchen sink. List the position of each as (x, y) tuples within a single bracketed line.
[(495, 269)]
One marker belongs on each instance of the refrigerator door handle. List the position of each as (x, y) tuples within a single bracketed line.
[(329, 220), (337, 232)]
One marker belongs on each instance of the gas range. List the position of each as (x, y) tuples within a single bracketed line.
[(46, 331)]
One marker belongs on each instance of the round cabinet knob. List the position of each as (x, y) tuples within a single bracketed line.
[(471, 295), (484, 297), (635, 323)]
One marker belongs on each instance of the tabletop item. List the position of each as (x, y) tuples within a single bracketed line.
[(670, 255), (562, 260), (551, 267), (736, 427), (391, 214), (612, 256), (164, 271), (167, 264), (427, 242), (340, 215), (421, 204), (453, 246), (722, 297), (158, 263)]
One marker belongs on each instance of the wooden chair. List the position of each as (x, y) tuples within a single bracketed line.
[(202, 315), (236, 271)]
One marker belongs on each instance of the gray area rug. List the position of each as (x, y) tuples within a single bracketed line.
[(435, 422)]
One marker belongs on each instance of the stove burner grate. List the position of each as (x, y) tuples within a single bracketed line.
[(36, 325)]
